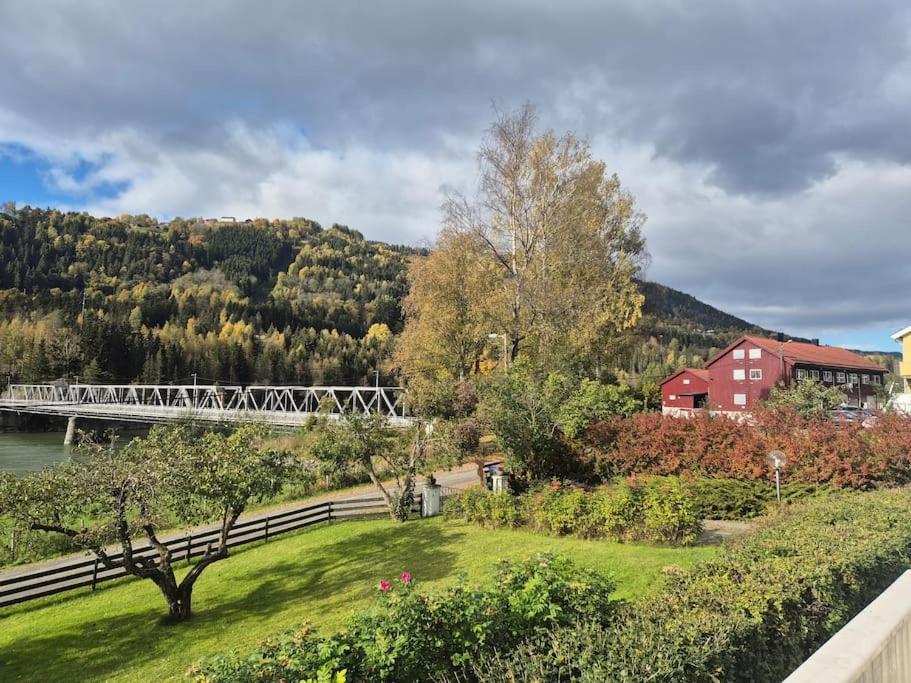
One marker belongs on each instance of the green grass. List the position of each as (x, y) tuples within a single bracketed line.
[(321, 575)]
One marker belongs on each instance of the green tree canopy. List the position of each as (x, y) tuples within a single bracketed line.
[(134, 492), (807, 397)]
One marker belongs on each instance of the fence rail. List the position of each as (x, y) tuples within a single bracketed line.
[(89, 572)]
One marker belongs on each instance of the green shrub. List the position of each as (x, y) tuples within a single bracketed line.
[(564, 512), (730, 498), (739, 499), (669, 512), (593, 401), (753, 614), (659, 509), (620, 511), (478, 506), (413, 636)]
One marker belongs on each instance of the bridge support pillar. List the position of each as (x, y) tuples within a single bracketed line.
[(70, 431)]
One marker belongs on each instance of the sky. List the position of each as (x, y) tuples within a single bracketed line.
[(769, 143)]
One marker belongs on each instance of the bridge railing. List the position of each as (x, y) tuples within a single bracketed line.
[(387, 401)]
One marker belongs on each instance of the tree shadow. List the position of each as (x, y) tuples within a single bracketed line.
[(336, 573)]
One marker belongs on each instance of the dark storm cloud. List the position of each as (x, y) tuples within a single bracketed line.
[(749, 130), (765, 92)]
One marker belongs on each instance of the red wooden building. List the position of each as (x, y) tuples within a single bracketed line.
[(743, 374), (685, 391)]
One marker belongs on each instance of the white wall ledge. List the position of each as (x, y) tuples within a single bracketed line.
[(874, 647)]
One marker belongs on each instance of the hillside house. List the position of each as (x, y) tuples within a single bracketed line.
[(743, 374)]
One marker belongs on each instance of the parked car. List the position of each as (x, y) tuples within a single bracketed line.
[(846, 414)]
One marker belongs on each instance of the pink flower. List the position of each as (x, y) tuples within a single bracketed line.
[(385, 586), (406, 577)]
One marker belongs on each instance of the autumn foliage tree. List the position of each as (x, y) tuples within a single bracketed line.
[(451, 307), (561, 238)]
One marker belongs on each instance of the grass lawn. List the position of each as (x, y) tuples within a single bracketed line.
[(319, 575)]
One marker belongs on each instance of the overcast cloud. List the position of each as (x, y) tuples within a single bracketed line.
[(768, 142)]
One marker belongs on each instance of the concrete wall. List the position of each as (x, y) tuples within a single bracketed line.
[(874, 647)]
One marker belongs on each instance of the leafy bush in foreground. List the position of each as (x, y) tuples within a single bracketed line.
[(753, 614), (413, 636)]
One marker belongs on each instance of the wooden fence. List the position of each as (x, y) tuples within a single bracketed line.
[(89, 572)]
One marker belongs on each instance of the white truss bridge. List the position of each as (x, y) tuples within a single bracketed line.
[(284, 406)]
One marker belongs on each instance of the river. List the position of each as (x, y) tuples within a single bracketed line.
[(31, 451)]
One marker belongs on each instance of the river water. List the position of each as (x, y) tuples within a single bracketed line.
[(31, 451)]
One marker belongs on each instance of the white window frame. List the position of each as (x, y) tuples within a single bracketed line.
[(826, 375), (740, 399), (686, 381), (865, 379), (840, 378), (755, 373), (740, 374), (814, 375), (801, 374), (755, 354), (672, 397), (739, 354), (852, 378), (877, 379)]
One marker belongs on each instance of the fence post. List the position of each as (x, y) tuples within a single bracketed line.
[(188, 549), (267, 529), (94, 574), (329, 509)]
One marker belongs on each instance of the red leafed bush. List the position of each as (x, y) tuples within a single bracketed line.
[(817, 451)]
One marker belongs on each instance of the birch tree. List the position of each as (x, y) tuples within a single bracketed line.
[(564, 240)]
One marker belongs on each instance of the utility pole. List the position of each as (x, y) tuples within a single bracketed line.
[(194, 391)]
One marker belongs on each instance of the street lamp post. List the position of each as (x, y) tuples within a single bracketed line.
[(777, 460)]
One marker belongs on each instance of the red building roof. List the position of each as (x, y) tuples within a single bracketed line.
[(811, 354), (701, 374)]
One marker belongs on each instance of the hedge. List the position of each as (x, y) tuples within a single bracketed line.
[(743, 499), (818, 451), (753, 614), (662, 510)]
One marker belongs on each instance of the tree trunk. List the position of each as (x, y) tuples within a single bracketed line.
[(179, 601)]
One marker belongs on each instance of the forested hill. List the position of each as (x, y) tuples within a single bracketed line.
[(264, 300), (671, 304), (258, 301)]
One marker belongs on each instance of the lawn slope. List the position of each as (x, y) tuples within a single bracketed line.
[(319, 575)]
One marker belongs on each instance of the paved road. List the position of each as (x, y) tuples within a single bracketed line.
[(458, 478)]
